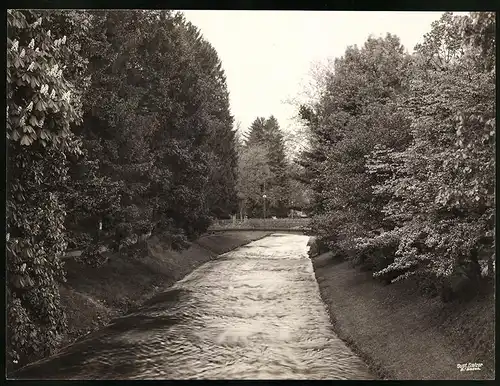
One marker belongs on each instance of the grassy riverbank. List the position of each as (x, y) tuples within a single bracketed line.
[(261, 223), (92, 296), (402, 334)]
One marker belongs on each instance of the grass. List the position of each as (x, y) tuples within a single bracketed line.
[(403, 335), (261, 223), (227, 241)]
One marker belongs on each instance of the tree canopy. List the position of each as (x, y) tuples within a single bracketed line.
[(265, 140), (404, 144), (118, 118)]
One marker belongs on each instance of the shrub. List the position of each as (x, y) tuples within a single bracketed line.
[(93, 256), (463, 283), (374, 253)]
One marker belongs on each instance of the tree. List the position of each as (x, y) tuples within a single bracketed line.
[(117, 129), (257, 132), (441, 186), (280, 189), (253, 173), (480, 32), (221, 139), (115, 116), (358, 109), (300, 194), (157, 118), (299, 136), (267, 133), (42, 106), (310, 161), (180, 208)]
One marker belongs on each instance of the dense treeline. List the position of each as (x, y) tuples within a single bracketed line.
[(264, 170), (402, 155), (116, 120)]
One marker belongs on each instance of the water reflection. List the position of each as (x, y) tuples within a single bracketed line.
[(255, 313)]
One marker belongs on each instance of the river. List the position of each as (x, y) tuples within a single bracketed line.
[(253, 313)]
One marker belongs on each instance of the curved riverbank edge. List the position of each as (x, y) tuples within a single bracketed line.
[(92, 296), (402, 335)]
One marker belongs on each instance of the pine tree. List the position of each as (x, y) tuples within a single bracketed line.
[(157, 119), (257, 132), (220, 143), (280, 189), (266, 133)]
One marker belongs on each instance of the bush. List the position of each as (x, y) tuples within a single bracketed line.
[(317, 247), (428, 283), (93, 256), (463, 283), (375, 253), (77, 240)]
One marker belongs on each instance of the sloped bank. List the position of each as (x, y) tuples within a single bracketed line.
[(401, 334), (92, 296)]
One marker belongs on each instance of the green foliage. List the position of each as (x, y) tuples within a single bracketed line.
[(42, 105), (374, 253), (114, 118), (157, 120), (253, 173), (406, 145), (220, 143), (442, 185), (266, 136), (93, 256), (299, 193), (117, 131), (359, 109)]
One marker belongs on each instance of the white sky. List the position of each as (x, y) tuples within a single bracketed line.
[(267, 55)]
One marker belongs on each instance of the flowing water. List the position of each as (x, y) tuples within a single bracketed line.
[(254, 313)]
